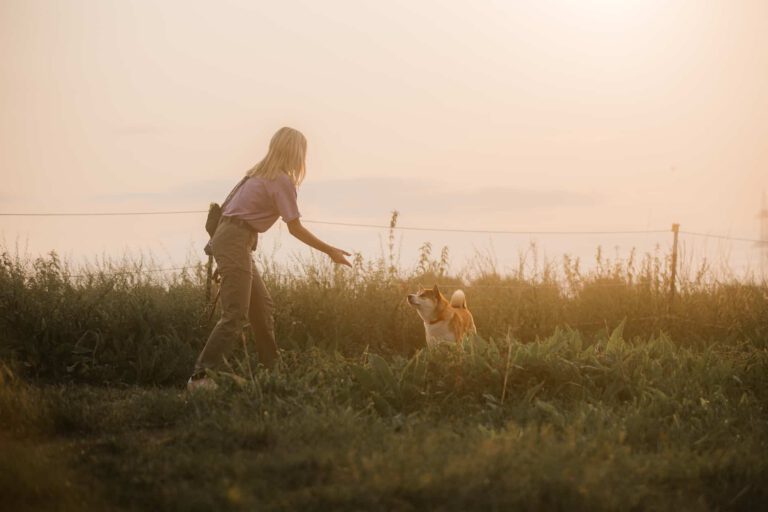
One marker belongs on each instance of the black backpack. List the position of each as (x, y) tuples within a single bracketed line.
[(214, 216)]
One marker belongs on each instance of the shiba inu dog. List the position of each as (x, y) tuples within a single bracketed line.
[(444, 321)]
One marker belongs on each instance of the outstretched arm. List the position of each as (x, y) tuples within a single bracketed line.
[(299, 231)]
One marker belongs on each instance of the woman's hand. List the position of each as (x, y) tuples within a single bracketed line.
[(338, 256)]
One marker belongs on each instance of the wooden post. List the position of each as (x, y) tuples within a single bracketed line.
[(209, 270), (673, 274)]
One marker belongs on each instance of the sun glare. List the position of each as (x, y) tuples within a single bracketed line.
[(607, 10), (589, 14)]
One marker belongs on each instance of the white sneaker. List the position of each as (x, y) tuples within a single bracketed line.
[(205, 383)]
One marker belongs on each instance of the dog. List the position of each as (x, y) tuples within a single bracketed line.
[(444, 321)]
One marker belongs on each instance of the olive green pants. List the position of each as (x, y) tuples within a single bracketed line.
[(244, 300)]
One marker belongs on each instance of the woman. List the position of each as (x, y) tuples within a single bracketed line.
[(267, 191)]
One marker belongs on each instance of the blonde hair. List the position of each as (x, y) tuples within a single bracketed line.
[(287, 154)]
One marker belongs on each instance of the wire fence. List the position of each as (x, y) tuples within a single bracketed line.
[(201, 267), (404, 228), (724, 237), (393, 227), (96, 214)]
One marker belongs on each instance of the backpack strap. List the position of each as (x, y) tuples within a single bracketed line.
[(215, 213), (232, 193)]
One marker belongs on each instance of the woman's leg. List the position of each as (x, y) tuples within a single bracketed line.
[(260, 314), (235, 267)]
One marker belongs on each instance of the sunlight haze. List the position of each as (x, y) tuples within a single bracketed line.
[(540, 115)]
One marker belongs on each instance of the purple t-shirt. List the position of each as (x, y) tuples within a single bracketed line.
[(260, 202)]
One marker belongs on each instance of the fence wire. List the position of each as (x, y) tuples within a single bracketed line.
[(404, 228)]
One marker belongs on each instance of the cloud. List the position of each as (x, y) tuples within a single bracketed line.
[(373, 196), (189, 194)]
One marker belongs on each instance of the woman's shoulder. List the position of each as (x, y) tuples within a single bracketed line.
[(283, 180)]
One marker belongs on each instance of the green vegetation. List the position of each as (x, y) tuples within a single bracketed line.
[(584, 391)]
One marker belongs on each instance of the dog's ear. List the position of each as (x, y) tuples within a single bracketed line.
[(436, 291)]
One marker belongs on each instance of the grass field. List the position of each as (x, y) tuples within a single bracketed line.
[(584, 391)]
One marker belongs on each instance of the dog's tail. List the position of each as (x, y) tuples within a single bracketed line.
[(458, 299)]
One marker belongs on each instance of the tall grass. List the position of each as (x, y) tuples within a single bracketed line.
[(585, 390), (123, 323)]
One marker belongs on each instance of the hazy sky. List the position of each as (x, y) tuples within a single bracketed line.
[(545, 114)]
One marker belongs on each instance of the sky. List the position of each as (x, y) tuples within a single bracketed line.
[(546, 115)]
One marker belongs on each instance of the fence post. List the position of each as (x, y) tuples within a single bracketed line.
[(673, 274), (209, 272)]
